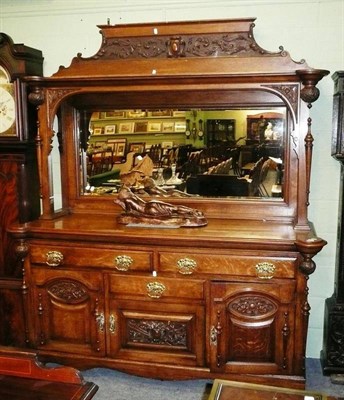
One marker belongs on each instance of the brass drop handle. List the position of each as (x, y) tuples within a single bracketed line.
[(186, 266), (123, 262), (54, 258), (100, 319), (112, 324), (155, 289), (265, 270)]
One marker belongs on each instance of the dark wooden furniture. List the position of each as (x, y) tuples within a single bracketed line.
[(19, 188), (22, 376), (226, 300), (227, 390), (332, 355)]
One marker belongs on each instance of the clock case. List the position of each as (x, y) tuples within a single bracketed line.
[(19, 184)]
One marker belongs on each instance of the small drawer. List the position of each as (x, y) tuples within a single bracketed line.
[(119, 259), (265, 267), (156, 287)]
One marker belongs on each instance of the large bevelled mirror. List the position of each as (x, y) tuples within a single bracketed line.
[(187, 152)]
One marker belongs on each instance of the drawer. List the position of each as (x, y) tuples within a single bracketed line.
[(265, 267), (155, 287), (119, 259)]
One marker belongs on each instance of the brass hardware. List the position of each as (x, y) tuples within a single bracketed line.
[(186, 266), (265, 270), (213, 336), (112, 324), (155, 289), (123, 263), (100, 322), (54, 258)]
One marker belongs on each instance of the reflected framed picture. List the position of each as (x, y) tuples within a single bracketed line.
[(160, 113), (125, 127), (141, 126), (137, 147), (119, 146), (180, 126), (154, 126), (167, 127), (114, 114), (110, 129), (136, 114), (97, 131)]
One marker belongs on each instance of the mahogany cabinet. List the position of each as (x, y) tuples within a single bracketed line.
[(226, 300)]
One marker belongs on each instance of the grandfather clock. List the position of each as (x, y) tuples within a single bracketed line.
[(332, 355), (19, 182)]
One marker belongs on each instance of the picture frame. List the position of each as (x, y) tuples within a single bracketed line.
[(120, 149), (178, 113), (98, 131), (167, 127), (180, 126), (154, 126), (110, 129), (119, 146), (160, 113), (136, 114), (141, 127), (114, 114), (125, 127), (137, 147)]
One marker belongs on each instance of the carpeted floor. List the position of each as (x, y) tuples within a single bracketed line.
[(114, 385)]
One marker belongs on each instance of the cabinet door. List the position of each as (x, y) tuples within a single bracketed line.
[(69, 311), (155, 325), (252, 327)]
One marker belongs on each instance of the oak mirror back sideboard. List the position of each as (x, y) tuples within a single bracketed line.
[(230, 124)]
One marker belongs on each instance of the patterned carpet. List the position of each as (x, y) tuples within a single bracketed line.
[(114, 385)]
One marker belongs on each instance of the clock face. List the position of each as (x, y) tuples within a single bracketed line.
[(7, 111)]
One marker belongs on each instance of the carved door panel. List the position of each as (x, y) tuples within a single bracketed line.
[(69, 314), (252, 327), (161, 328)]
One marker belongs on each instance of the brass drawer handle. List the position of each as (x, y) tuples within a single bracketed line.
[(155, 289), (186, 266), (265, 270), (123, 263), (54, 258)]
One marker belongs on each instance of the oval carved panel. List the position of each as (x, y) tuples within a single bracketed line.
[(253, 306), (68, 291)]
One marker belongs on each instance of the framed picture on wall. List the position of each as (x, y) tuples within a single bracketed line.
[(141, 126), (97, 131), (137, 147), (167, 127), (125, 127), (154, 126), (114, 114), (110, 129), (119, 146)]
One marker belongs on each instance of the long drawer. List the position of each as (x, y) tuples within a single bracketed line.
[(120, 259), (261, 266)]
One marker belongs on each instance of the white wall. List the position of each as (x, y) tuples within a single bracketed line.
[(312, 30)]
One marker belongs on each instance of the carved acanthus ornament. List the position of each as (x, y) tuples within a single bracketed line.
[(252, 306), (68, 291), (170, 333), (208, 45)]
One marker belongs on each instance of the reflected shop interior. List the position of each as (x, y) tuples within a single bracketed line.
[(189, 152)]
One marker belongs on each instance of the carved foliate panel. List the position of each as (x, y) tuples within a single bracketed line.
[(158, 332), (252, 306), (210, 45), (68, 291)]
